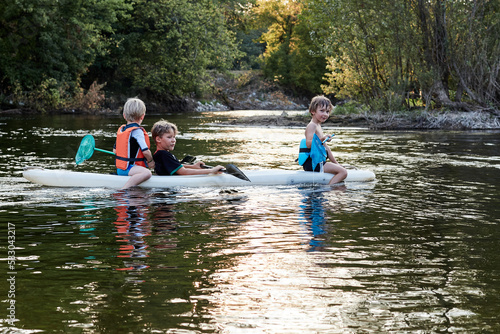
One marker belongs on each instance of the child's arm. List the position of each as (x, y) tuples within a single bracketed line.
[(149, 158), (327, 138), (322, 137), (196, 165), (310, 131), (196, 171)]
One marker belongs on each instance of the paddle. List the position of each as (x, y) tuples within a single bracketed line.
[(87, 148), (188, 159), (327, 138), (230, 168)]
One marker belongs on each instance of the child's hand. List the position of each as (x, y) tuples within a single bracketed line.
[(199, 165), (217, 169), (327, 138)]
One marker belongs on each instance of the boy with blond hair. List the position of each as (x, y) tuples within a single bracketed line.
[(133, 156), (166, 163)]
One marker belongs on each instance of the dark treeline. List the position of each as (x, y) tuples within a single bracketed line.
[(385, 54)]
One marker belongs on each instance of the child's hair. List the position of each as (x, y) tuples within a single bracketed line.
[(320, 101), (161, 127), (133, 109)]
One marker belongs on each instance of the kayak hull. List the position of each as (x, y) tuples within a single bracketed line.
[(266, 177)]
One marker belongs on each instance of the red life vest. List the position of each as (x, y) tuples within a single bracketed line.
[(127, 152)]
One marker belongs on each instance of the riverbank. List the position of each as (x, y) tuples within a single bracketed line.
[(421, 120), (248, 90), (384, 121)]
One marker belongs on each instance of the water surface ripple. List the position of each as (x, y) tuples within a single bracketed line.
[(414, 251)]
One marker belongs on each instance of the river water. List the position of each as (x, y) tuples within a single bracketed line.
[(417, 250)]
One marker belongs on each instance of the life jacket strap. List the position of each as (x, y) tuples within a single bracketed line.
[(130, 159)]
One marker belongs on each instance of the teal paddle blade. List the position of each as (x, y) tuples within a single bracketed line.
[(86, 149), (318, 152)]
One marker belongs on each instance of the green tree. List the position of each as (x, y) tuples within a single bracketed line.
[(238, 15), (166, 47), (470, 52), (381, 51), (291, 57), (369, 48), (46, 46)]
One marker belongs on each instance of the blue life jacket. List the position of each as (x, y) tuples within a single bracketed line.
[(303, 152), (317, 152)]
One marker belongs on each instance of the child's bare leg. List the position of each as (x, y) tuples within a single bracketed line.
[(339, 171), (137, 175)]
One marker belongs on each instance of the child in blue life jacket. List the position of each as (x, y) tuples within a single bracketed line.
[(320, 109), (166, 163), (133, 156)]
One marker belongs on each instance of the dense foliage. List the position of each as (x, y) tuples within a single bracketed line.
[(166, 47), (46, 46), (291, 57), (48, 49), (387, 54)]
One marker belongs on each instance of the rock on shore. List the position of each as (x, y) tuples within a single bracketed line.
[(248, 90)]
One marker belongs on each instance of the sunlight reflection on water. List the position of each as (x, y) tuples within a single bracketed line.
[(413, 251), (276, 283)]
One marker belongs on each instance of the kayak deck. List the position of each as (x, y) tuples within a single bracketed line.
[(66, 178)]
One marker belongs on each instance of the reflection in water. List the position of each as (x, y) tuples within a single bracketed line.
[(132, 226), (273, 284), (314, 214), (165, 226), (142, 223), (415, 251)]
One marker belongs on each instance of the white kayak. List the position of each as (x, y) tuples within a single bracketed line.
[(267, 177)]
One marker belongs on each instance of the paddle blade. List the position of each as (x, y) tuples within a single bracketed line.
[(235, 171), (85, 150), (188, 159)]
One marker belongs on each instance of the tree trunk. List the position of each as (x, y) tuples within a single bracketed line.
[(441, 97), (441, 48), (436, 54)]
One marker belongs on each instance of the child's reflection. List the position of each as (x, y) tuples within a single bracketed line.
[(165, 226), (132, 225), (141, 224), (314, 213)]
